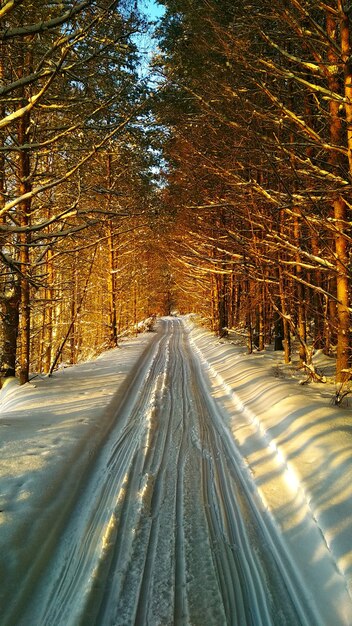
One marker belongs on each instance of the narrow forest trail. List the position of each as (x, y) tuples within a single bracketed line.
[(166, 531)]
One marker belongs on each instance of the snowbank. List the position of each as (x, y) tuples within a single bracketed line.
[(294, 444), (297, 447), (51, 429)]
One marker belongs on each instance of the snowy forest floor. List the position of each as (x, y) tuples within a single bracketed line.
[(293, 447)]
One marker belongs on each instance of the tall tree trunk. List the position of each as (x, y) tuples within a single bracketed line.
[(342, 293), (222, 296), (248, 313), (112, 292), (48, 315), (9, 281), (284, 325), (232, 296), (238, 300), (24, 186), (9, 314), (341, 241), (339, 205), (213, 296), (112, 295), (300, 296), (318, 302), (281, 323), (261, 321), (24, 208), (72, 341)]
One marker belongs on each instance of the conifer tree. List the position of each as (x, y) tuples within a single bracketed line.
[(69, 92)]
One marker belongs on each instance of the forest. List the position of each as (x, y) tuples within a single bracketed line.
[(217, 182)]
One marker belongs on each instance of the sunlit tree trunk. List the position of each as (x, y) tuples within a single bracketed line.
[(237, 301), (261, 320), (342, 293), (339, 205), (222, 308), (9, 282), (213, 297), (282, 325), (112, 292), (248, 305), (112, 295), (284, 305), (300, 295), (73, 320), (24, 238), (48, 314), (318, 311), (341, 241)]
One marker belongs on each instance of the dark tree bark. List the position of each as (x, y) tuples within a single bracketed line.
[(9, 317)]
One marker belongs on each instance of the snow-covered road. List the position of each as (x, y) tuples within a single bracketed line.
[(167, 527)]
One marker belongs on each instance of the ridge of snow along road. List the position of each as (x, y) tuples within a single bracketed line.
[(51, 431), (297, 449)]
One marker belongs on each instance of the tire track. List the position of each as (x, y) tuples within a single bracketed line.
[(78, 569), (165, 532)]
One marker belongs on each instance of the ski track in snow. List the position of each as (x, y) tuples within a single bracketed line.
[(168, 529)]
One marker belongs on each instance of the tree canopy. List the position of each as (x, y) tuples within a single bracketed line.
[(220, 184)]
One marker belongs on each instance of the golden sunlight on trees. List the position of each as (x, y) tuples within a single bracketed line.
[(223, 187), (257, 100), (74, 181)]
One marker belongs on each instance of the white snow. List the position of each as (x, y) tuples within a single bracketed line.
[(295, 449), (298, 449)]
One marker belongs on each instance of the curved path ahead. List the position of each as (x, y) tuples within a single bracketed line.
[(167, 530)]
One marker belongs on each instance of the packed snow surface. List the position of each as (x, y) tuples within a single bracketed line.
[(174, 480)]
